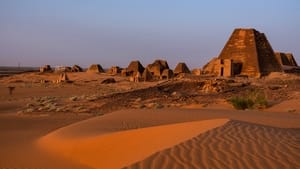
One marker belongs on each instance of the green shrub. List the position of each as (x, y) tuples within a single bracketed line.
[(253, 99), (241, 103)]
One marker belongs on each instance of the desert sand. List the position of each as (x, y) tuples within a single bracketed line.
[(237, 144), (87, 142), (169, 124), (119, 149)]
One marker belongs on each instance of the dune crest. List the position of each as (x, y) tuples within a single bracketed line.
[(119, 149)]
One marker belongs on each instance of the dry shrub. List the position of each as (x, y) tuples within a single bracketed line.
[(254, 99)]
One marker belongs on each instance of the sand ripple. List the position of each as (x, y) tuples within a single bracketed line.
[(237, 144)]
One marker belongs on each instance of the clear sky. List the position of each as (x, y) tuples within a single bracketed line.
[(114, 32)]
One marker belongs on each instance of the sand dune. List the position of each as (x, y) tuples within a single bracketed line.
[(141, 118), (120, 149), (235, 145), (83, 142), (18, 135)]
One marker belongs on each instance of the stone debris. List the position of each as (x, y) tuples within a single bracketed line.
[(212, 86), (73, 98), (92, 98)]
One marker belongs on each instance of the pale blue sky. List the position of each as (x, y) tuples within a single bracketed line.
[(114, 32)]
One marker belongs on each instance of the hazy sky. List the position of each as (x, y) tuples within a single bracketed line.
[(114, 32)]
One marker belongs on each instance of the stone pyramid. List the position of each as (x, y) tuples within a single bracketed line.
[(247, 52)]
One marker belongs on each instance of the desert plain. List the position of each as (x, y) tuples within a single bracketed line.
[(184, 122)]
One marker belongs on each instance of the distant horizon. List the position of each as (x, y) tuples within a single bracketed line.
[(113, 33)]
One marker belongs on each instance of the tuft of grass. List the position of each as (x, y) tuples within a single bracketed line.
[(254, 99)]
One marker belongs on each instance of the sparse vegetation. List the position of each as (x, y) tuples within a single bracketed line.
[(253, 99), (241, 103)]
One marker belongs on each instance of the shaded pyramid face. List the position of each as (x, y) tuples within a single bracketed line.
[(250, 52), (286, 59)]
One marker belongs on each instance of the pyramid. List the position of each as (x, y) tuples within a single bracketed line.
[(157, 67), (135, 66), (247, 52), (95, 68), (287, 62), (286, 59), (181, 68)]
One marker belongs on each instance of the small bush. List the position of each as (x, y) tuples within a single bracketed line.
[(241, 103), (253, 99)]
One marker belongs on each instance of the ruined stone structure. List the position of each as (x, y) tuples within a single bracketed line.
[(60, 69), (136, 77), (76, 68), (63, 78), (114, 70), (181, 68), (196, 72), (134, 67), (286, 59), (287, 62), (124, 72), (46, 68), (167, 74), (147, 76), (248, 53), (157, 67), (95, 68)]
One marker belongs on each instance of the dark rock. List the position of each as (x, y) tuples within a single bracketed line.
[(108, 81)]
